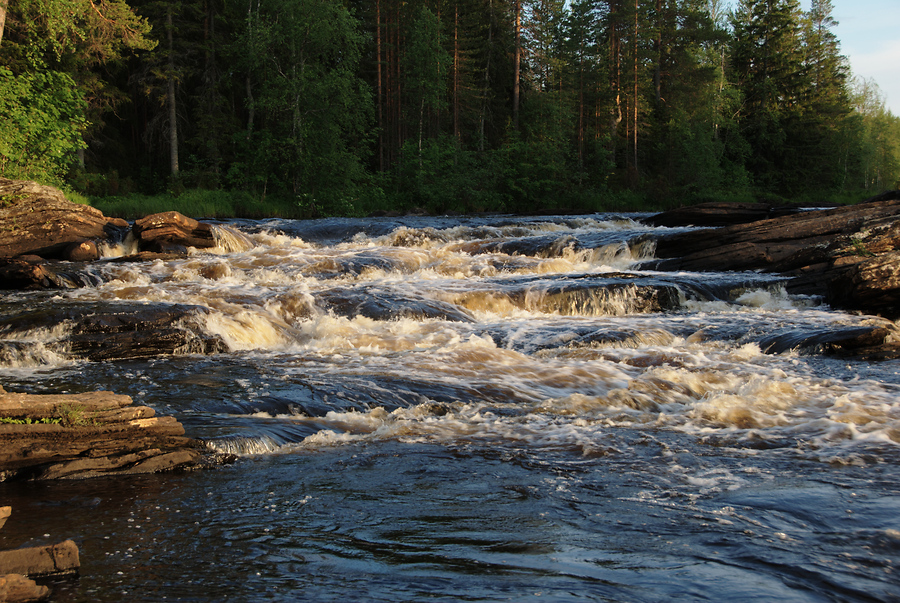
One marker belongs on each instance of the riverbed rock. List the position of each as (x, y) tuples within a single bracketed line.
[(39, 220), (54, 560), (27, 273), (111, 331), (171, 231), (77, 436), (15, 588), (846, 255)]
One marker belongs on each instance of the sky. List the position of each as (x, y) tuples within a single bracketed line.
[(869, 32)]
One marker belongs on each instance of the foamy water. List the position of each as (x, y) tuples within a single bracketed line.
[(632, 414)]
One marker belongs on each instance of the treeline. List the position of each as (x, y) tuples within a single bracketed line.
[(350, 106)]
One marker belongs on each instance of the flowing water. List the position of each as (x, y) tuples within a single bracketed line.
[(490, 409)]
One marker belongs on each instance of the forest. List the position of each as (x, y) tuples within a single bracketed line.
[(349, 107)]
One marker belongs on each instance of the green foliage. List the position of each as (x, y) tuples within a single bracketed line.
[(313, 108), (42, 125), (199, 203), (30, 421)]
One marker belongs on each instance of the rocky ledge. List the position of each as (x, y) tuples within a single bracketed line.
[(42, 234), (76, 436), (849, 256)]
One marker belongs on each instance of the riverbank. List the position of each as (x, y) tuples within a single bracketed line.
[(225, 204)]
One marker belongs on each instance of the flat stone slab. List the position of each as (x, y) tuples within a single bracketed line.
[(78, 436)]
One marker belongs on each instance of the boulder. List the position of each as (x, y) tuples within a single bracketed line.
[(33, 272), (39, 220), (171, 231), (15, 588), (113, 331), (55, 560)]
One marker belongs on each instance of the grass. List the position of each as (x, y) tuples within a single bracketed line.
[(196, 203), (222, 204)]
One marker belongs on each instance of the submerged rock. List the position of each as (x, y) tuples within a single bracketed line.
[(111, 332), (868, 342)]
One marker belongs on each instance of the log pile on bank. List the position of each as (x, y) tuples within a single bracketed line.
[(76, 436)]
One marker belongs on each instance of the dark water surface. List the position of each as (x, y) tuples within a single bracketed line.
[(476, 410)]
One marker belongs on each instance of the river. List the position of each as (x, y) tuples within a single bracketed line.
[(475, 409)]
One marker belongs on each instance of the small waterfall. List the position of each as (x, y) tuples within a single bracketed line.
[(243, 445), (117, 249), (230, 240)]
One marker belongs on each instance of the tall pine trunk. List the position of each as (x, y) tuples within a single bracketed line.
[(170, 96), (517, 63)]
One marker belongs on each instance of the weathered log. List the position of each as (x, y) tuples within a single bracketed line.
[(15, 588), (171, 231), (55, 560), (39, 220)]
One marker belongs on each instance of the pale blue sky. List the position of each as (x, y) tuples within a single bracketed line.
[(869, 31)]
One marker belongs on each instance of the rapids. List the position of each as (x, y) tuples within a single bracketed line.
[(475, 409)]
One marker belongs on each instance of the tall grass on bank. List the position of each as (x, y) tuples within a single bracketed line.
[(199, 203), (196, 203)]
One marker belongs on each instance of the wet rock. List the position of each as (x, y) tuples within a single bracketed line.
[(85, 251), (39, 220), (865, 341), (388, 305), (112, 332), (32, 273), (77, 436), (55, 560), (846, 255), (171, 231), (15, 588)]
